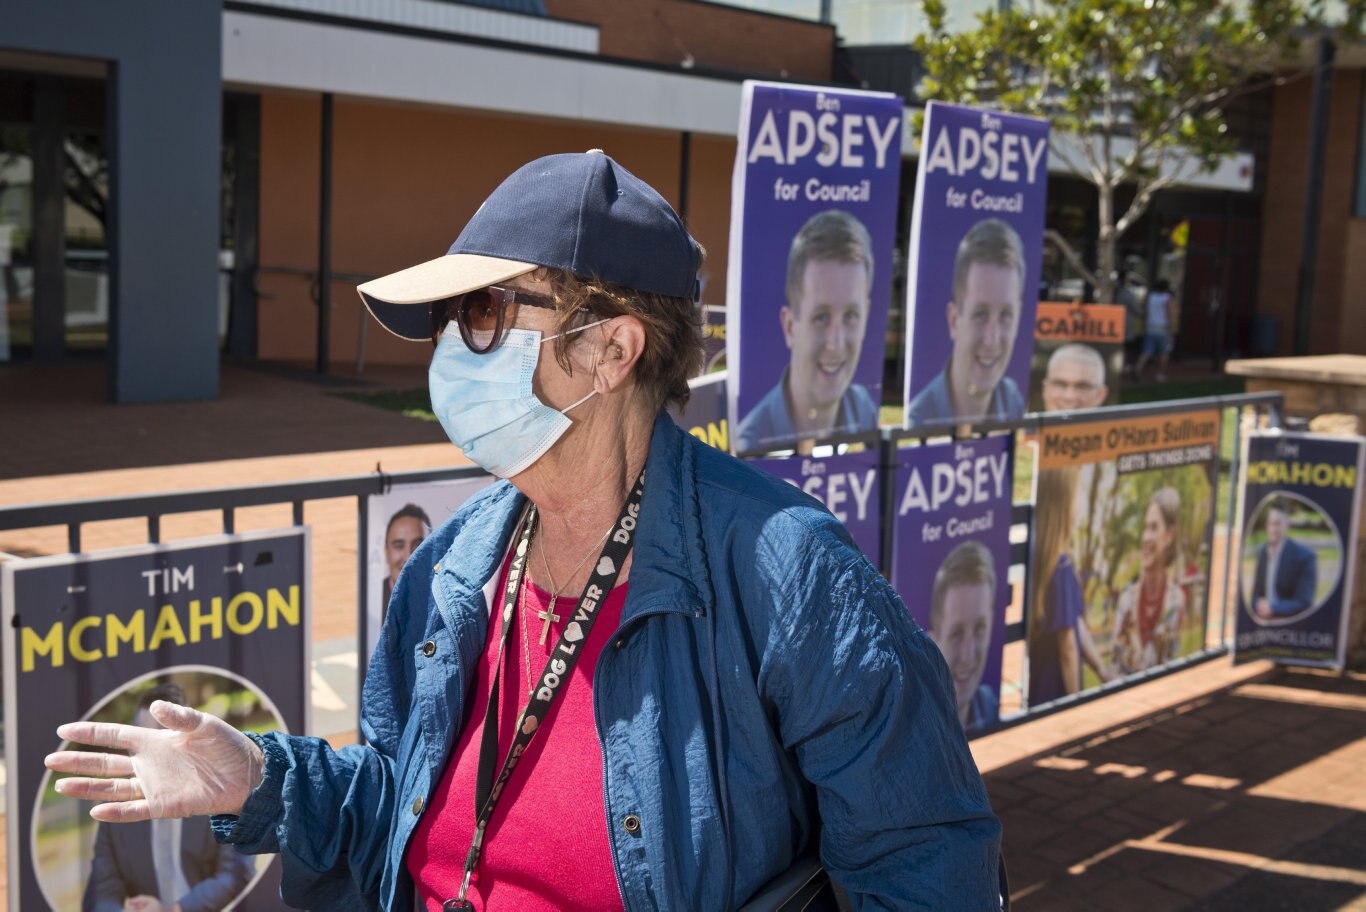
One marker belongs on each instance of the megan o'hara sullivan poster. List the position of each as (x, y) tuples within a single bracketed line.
[(1123, 519), (398, 521), (847, 484), (951, 554), (1078, 356), (812, 232), (1299, 520), (973, 270), (220, 624)]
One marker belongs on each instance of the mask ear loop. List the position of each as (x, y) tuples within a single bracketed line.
[(577, 329), (574, 405)]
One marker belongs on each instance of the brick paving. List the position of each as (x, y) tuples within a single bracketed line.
[(1250, 795), (1215, 788)]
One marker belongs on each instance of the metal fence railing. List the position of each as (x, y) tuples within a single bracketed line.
[(1240, 410)]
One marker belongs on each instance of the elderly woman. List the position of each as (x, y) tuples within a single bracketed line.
[(728, 685)]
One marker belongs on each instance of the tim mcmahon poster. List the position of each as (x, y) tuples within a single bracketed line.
[(847, 484), (1078, 356), (951, 554), (220, 624), (975, 256), (397, 522), (705, 414), (1299, 516), (1121, 547), (812, 232)]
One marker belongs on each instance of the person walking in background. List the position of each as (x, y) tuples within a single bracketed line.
[(1059, 639), (1151, 610), (1130, 298), (1159, 329)]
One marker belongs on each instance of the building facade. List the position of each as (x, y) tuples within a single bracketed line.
[(163, 203)]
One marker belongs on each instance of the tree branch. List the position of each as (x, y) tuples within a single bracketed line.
[(1057, 240)]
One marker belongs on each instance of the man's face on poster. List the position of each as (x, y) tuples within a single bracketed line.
[(962, 634), (1276, 525), (405, 534), (983, 326), (1074, 382), (824, 329)]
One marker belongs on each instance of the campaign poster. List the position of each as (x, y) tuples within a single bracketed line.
[(975, 256), (1299, 521), (951, 556), (713, 338), (1078, 356), (1123, 521), (220, 624), (812, 237), (704, 415), (847, 484), (398, 521)]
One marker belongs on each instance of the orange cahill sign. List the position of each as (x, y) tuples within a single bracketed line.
[(1136, 444), (1096, 323)]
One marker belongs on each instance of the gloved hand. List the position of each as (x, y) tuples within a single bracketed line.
[(196, 765)]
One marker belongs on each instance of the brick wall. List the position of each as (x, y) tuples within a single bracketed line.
[(668, 31), (1341, 267), (405, 180)]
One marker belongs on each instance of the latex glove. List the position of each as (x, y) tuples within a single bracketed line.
[(197, 765)]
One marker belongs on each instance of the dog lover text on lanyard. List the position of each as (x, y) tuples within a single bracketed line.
[(554, 676)]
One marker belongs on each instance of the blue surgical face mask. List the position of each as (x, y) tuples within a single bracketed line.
[(486, 404)]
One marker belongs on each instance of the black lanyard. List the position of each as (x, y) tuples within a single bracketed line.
[(554, 676)]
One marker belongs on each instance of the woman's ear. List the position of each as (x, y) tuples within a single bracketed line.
[(623, 343)]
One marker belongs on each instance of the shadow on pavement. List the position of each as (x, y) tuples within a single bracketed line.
[(1249, 798)]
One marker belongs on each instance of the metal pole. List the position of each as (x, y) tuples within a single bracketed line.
[(325, 234), (684, 174), (1313, 195)]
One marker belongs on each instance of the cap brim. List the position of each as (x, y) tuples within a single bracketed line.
[(402, 301)]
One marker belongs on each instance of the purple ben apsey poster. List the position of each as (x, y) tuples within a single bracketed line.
[(847, 484), (812, 233), (973, 267), (950, 557)]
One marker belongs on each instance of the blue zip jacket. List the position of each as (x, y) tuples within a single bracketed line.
[(766, 688)]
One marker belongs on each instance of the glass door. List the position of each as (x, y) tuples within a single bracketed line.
[(16, 233)]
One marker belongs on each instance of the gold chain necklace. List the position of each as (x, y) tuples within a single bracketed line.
[(548, 616)]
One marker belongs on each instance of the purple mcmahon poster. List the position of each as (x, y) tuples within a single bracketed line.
[(848, 485), (973, 267), (950, 557), (1300, 518), (812, 235)]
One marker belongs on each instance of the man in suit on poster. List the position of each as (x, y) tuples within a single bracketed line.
[(1287, 571), (163, 865)]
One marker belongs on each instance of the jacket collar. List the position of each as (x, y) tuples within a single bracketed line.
[(668, 572)]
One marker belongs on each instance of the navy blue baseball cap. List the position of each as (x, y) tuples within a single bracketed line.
[(579, 212)]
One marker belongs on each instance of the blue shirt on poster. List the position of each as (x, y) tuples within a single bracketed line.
[(985, 708), (934, 404), (769, 423), (1062, 611)]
